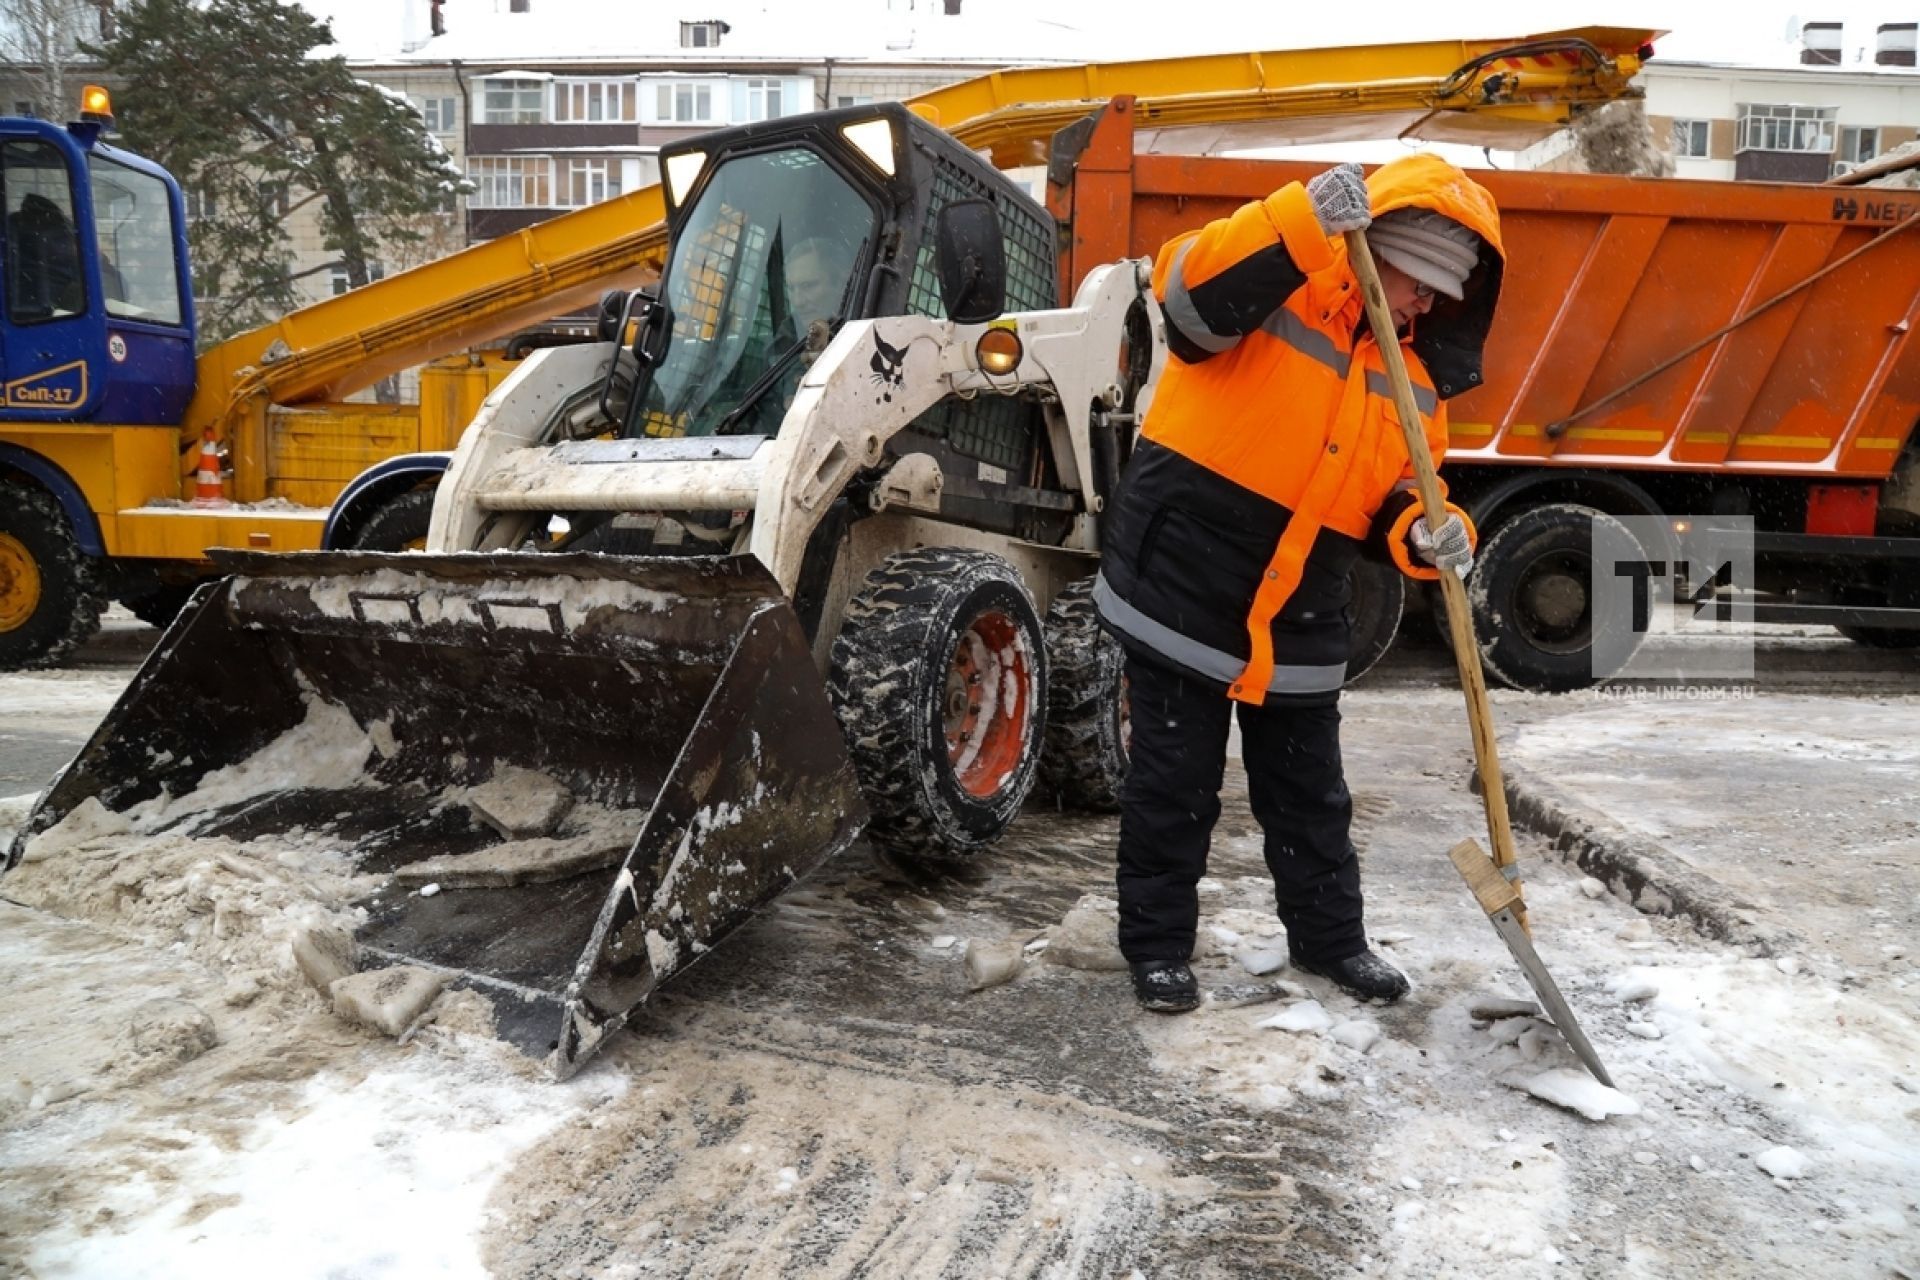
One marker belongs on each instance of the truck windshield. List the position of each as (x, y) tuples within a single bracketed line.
[(133, 226), (770, 248)]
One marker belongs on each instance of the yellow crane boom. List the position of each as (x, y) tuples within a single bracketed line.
[(1503, 93)]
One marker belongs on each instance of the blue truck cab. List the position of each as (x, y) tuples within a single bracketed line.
[(96, 302)]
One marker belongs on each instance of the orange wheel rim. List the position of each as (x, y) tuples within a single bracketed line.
[(20, 584), (988, 707)]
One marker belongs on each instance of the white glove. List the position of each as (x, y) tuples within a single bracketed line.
[(1448, 549), (1340, 199)]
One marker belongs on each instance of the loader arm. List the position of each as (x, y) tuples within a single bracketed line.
[(1495, 92)]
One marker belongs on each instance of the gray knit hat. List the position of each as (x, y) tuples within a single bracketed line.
[(1429, 246)]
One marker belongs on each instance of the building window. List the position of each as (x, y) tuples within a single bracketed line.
[(852, 99), (341, 283), (1690, 139), (702, 35), (1820, 47), (200, 202), (1857, 145), (1778, 127), (513, 102), (440, 115), (764, 101), (684, 103), (585, 182), (596, 101), (1894, 44), (510, 182)]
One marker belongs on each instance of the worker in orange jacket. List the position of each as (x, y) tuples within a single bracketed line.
[(1271, 457)]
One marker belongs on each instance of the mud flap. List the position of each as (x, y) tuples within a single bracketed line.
[(672, 699)]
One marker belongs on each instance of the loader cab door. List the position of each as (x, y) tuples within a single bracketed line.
[(96, 320), (769, 259)]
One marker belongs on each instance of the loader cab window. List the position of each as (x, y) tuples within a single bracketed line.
[(133, 227), (45, 276), (766, 264)]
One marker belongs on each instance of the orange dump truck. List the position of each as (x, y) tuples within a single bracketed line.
[(1664, 347)]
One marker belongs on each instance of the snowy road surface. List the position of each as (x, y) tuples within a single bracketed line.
[(824, 1097)]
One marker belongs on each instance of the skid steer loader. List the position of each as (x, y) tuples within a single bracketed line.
[(700, 599)]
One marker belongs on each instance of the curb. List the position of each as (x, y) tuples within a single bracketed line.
[(1651, 877)]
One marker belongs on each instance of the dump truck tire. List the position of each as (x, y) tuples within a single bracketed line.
[(1088, 729), (398, 524), (49, 594), (1379, 599), (1531, 596), (939, 679)]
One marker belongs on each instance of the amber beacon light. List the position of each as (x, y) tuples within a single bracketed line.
[(96, 105)]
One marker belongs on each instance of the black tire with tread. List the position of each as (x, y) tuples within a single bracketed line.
[(1378, 601), (887, 677), (68, 611), (1085, 760), (1510, 650), (397, 522)]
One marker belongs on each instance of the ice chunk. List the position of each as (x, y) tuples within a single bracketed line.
[(1593, 888), (1578, 1091), (943, 942), (387, 1000), (1494, 1008), (1630, 988), (168, 1030), (991, 963), (324, 955), (1360, 1035), (1262, 962), (1783, 1163), (1305, 1016), (1088, 936), (520, 804), (1645, 1030)]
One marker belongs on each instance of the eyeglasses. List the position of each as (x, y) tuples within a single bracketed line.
[(1421, 292)]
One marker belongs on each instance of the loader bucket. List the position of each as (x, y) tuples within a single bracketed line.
[(600, 765)]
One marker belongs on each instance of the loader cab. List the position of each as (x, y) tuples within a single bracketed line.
[(96, 313), (783, 230)]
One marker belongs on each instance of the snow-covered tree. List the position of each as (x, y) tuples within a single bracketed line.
[(237, 99)]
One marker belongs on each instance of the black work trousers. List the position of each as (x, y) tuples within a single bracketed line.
[(1171, 801)]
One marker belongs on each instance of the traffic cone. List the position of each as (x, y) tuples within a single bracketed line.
[(206, 480)]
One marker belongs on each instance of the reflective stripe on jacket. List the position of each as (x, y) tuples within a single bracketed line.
[(1276, 401)]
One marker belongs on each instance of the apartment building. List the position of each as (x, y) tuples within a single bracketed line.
[(1837, 95), (552, 105)]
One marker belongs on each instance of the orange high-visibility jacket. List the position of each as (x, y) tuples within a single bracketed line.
[(1272, 451)]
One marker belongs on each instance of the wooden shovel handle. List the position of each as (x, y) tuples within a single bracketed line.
[(1466, 652)]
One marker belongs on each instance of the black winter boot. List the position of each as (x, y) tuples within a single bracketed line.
[(1364, 976), (1165, 986)]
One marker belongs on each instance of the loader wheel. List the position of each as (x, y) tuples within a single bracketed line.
[(399, 524), (1089, 729), (1379, 598), (49, 598), (938, 676), (1531, 592)]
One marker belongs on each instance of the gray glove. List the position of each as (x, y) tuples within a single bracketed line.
[(1340, 199), (1450, 549)]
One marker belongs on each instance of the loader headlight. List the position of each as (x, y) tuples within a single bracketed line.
[(682, 169), (999, 350), (874, 140)]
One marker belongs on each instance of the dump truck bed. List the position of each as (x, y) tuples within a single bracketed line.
[(1608, 278)]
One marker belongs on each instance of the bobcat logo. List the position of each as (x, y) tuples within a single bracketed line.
[(889, 368)]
